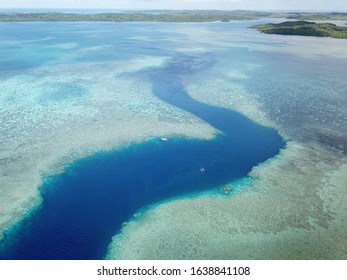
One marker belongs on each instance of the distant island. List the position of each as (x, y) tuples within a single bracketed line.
[(303, 28), (165, 16), (138, 16)]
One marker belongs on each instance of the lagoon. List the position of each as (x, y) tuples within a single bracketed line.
[(106, 93)]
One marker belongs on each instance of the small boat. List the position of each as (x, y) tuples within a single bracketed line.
[(202, 169), (163, 139)]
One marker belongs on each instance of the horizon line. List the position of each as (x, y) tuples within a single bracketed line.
[(187, 9)]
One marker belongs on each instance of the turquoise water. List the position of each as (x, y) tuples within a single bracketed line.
[(85, 206)]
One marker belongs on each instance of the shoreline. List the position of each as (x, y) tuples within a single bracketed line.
[(166, 15)]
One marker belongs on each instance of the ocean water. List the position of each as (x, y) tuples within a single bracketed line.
[(86, 205)]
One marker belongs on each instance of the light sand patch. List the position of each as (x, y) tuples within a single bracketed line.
[(66, 46)]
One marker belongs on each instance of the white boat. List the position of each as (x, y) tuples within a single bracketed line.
[(163, 139)]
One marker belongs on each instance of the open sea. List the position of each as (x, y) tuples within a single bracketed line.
[(86, 205)]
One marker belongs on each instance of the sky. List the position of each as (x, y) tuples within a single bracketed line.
[(312, 5)]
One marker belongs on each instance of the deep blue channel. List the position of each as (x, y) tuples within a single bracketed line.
[(87, 204)]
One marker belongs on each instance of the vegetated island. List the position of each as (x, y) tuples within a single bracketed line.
[(164, 16), (138, 16), (303, 28)]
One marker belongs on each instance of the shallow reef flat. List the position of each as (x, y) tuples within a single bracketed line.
[(82, 88), (54, 114), (292, 210), (240, 35), (295, 207)]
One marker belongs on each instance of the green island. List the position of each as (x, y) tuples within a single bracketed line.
[(164, 16), (303, 28), (317, 16), (139, 16)]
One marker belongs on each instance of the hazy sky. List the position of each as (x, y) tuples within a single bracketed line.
[(329, 5)]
